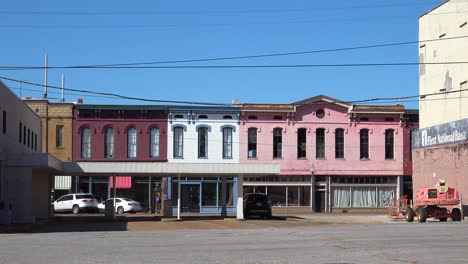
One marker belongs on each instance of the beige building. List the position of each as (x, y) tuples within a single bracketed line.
[(446, 23), (440, 146)]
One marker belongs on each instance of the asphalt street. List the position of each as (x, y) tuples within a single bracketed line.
[(432, 242)]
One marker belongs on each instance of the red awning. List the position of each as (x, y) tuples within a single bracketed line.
[(123, 182)]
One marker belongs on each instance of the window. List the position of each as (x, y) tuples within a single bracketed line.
[(364, 144), (252, 143), (227, 142), (29, 138), (35, 142), (202, 142), (364, 119), (20, 132), (32, 140), (202, 117), (58, 136), (389, 119), (320, 113), (178, 142), (132, 142), (277, 118), (154, 142), (227, 117), (339, 143), (109, 143), (4, 122), (252, 117), (86, 142), (277, 143), (178, 116), (320, 143), (389, 142), (24, 135), (209, 190), (301, 143)]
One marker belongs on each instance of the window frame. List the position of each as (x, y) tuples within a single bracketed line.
[(59, 136), (178, 143), (106, 143), (202, 142), (364, 144), (389, 144), (227, 142), (320, 143), (155, 142), (252, 139), (277, 143), (132, 142), (86, 144), (302, 151), (339, 143)]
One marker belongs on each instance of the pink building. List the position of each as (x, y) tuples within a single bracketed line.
[(334, 156)]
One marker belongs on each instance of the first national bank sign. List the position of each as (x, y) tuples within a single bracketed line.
[(449, 133)]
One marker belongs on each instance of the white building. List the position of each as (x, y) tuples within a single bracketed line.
[(25, 173), (440, 147)]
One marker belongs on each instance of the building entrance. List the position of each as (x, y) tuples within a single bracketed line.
[(190, 198), (320, 201)]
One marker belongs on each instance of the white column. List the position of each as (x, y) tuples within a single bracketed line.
[(223, 197), (399, 191), (240, 197), (178, 197), (115, 192)]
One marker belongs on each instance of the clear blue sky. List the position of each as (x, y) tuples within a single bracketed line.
[(101, 32)]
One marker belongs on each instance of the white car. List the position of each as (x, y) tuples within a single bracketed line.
[(122, 205), (76, 203)]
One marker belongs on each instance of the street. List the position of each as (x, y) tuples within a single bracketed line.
[(432, 242)]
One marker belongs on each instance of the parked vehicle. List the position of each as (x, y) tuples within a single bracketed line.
[(122, 205), (257, 204), (76, 203)]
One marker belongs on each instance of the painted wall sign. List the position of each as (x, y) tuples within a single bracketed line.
[(449, 133)]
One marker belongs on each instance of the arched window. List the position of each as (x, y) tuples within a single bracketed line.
[(252, 143), (178, 142), (202, 142), (154, 142), (364, 143), (339, 143), (227, 117), (109, 142), (227, 142), (320, 143), (132, 142), (389, 143), (301, 143), (86, 142), (277, 143)]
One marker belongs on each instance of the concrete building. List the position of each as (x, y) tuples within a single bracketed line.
[(57, 121), (441, 146), (26, 174), (333, 156)]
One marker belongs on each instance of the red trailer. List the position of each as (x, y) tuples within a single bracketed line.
[(434, 202)]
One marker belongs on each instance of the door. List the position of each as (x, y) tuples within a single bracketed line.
[(190, 198), (319, 201)]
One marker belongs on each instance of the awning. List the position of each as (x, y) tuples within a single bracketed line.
[(62, 183), (122, 182)]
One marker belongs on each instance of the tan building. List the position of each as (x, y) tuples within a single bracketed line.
[(440, 146), (57, 120)]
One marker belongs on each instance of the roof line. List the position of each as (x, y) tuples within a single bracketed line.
[(441, 4)]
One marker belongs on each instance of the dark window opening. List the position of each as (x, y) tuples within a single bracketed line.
[(252, 117), (278, 118), (364, 119), (178, 116), (301, 143), (320, 113), (4, 122), (227, 117), (20, 132), (277, 142), (58, 136), (24, 135), (320, 143), (364, 144), (389, 119), (389, 143), (252, 143), (202, 117), (339, 143), (203, 142)]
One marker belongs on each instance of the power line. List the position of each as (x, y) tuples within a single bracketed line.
[(118, 65), (223, 104)]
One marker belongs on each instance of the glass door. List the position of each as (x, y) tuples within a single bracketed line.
[(190, 198)]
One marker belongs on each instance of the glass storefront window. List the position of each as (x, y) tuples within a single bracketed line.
[(229, 194), (385, 194), (259, 189), (364, 197), (277, 195), (341, 197), (304, 198), (293, 196), (209, 194)]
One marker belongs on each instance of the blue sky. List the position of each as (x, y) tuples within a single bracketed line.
[(104, 32)]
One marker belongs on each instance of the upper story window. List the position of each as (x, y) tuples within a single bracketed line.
[(24, 135), (4, 121), (277, 143), (86, 142), (339, 143), (364, 143), (389, 119), (132, 142), (109, 142), (178, 142), (252, 117), (277, 118), (301, 143), (202, 142), (20, 132), (227, 142), (202, 117), (178, 116), (320, 143), (364, 119), (58, 136), (29, 137), (154, 142), (252, 143), (389, 143), (227, 117)]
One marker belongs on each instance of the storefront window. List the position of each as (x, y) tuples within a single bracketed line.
[(293, 196), (385, 194), (364, 197), (277, 195), (209, 194), (304, 197), (229, 194), (341, 196)]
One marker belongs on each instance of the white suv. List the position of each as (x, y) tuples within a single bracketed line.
[(76, 203)]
